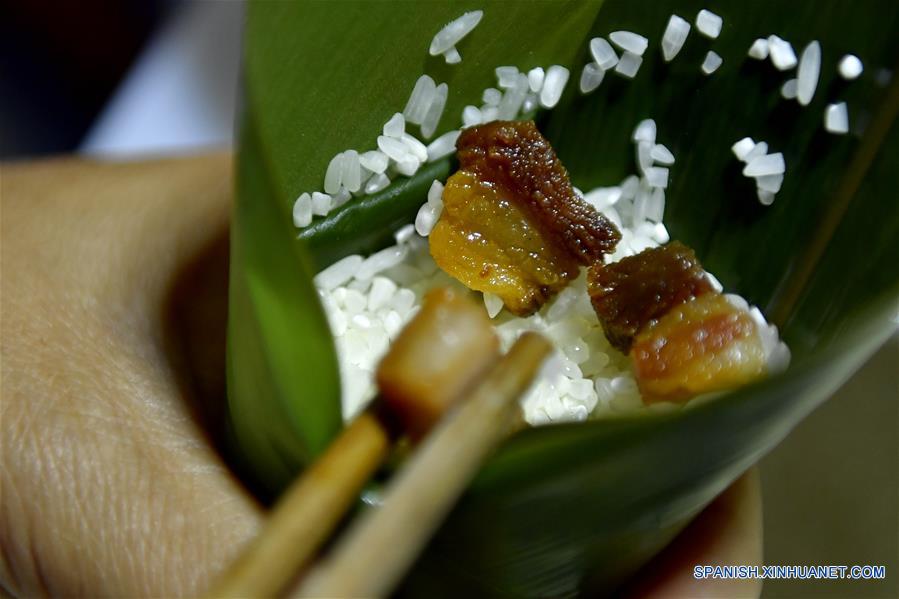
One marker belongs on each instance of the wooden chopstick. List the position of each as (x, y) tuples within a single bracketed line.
[(308, 512), (379, 548)]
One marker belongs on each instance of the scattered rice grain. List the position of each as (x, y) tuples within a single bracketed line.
[(809, 71), (781, 52), (711, 62), (789, 89), (591, 77), (759, 49), (675, 35), (302, 211), (419, 100), (453, 32), (396, 126), (374, 160), (836, 118), (553, 85), (338, 273), (443, 145), (769, 164), (435, 111), (603, 53), (709, 24), (535, 79), (628, 65), (377, 183), (452, 56), (321, 203), (850, 67)]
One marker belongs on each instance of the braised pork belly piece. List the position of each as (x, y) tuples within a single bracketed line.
[(637, 290), (512, 224), (704, 345), (684, 337)]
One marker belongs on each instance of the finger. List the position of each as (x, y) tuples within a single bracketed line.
[(139, 220), (727, 532), (108, 486)]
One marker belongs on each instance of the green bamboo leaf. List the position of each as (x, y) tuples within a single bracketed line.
[(571, 508)]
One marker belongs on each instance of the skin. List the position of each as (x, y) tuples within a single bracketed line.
[(112, 308)]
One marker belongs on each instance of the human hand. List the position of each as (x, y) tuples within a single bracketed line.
[(113, 328), (112, 347)]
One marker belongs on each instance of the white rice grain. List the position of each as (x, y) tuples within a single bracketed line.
[(789, 89), (432, 116), (645, 131), (591, 77), (709, 24), (321, 203), (453, 32), (809, 71), (374, 160), (425, 220), (644, 156), (536, 76), (377, 183), (492, 96), (655, 208), (435, 196), (759, 149), (657, 176), (513, 98), (471, 116), (420, 100), (443, 145), (759, 49), (781, 52), (850, 67), (766, 198), (302, 211), (334, 173), (836, 118), (661, 155), (416, 148), (742, 148), (553, 85), (351, 175), (382, 289), (714, 282), (507, 77), (769, 164), (380, 261), (404, 234), (493, 303), (675, 35), (341, 197), (603, 53), (603, 197), (711, 62), (630, 183), (628, 65), (396, 126), (629, 41), (395, 149), (452, 56), (408, 166), (338, 273), (770, 183)]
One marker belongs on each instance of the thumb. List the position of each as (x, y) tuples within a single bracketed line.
[(109, 483)]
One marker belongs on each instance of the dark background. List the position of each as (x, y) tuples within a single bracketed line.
[(59, 63)]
